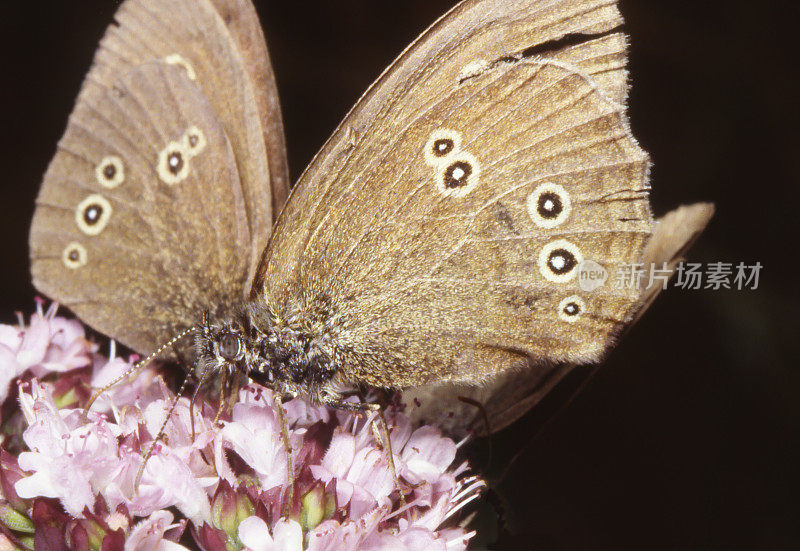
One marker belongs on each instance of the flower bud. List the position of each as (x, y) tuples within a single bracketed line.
[(314, 507), (15, 520)]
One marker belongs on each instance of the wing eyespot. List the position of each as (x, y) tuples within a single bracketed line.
[(441, 144), (571, 309), (549, 205), (92, 214), (110, 172), (173, 163), (459, 176), (559, 261), (194, 140), (74, 256)]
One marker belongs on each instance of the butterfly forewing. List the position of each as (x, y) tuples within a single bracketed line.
[(471, 37), (440, 230), (244, 27)]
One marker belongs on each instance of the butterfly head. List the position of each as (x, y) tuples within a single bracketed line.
[(225, 348), (251, 345)]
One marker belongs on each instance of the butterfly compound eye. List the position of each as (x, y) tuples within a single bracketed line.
[(230, 346)]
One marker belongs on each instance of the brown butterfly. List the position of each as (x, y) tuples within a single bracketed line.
[(437, 237)]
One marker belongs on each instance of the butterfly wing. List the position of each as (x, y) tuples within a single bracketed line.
[(244, 27), (439, 232), (510, 395), (140, 226), (220, 44), (227, 85)]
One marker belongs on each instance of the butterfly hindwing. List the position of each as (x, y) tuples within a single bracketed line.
[(230, 64), (140, 225), (508, 396), (219, 47)]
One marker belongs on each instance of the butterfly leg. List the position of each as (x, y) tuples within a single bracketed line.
[(223, 389), (287, 446), (381, 434), (191, 410), (159, 436)]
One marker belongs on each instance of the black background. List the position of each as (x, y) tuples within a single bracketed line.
[(687, 437)]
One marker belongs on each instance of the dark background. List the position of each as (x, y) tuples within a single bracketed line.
[(687, 437)]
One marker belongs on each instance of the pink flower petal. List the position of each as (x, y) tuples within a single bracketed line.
[(427, 455), (254, 534), (340, 454), (148, 535), (287, 535)]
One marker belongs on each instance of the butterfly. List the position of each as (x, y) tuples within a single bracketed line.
[(436, 242)]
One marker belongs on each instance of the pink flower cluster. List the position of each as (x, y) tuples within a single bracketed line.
[(69, 475)]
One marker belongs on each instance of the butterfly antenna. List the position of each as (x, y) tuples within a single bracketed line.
[(142, 364), (159, 434)]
